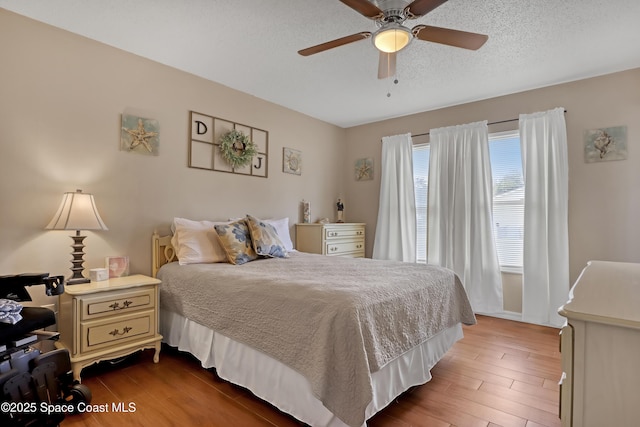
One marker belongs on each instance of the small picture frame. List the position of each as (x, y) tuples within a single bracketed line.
[(363, 169), (291, 161), (605, 144), (118, 266), (139, 135)]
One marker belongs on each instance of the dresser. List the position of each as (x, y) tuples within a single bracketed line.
[(335, 239), (109, 319), (600, 346)]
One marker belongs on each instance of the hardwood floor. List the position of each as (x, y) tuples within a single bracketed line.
[(502, 373)]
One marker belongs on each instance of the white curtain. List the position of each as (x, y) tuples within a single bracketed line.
[(396, 227), (543, 137), (460, 212)]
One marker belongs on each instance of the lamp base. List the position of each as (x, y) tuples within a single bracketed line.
[(77, 281), (77, 260)]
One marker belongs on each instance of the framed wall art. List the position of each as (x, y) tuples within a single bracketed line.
[(139, 135), (291, 161), (363, 169), (601, 145)]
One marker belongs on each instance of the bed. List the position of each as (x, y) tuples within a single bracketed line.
[(328, 340)]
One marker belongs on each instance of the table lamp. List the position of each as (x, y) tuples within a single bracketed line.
[(77, 212)]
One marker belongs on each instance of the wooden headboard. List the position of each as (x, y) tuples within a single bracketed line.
[(162, 252)]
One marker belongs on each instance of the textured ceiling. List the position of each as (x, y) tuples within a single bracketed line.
[(252, 46)]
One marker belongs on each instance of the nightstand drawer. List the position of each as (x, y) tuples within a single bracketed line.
[(120, 329), (122, 302), (344, 232), (345, 247)]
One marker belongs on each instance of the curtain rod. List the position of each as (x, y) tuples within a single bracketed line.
[(488, 124)]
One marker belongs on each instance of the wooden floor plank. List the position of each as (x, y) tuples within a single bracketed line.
[(502, 373), (512, 373), (458, 404), (505, 406), (520, 397), (540, 370), (472, 370), (539, 392)]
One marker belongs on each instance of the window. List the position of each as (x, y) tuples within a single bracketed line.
[(421, 185), (508, 198)]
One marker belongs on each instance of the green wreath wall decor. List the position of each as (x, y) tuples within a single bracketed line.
[(237, 149)]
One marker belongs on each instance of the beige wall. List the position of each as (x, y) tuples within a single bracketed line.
[(604, 202), (61, 97)]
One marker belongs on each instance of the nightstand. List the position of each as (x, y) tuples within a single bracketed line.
[(109, 319), (334, 239)]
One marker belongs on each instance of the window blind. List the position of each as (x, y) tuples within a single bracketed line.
[(421, 184), (508, 198)]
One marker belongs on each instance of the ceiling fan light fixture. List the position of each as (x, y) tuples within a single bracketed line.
[(392, 38)]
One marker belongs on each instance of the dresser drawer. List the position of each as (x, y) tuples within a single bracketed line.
[(340, 239), (116, 330), (344, 233), (121, 302), (345, 247)]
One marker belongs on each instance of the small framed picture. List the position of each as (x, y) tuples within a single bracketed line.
[(291, 161), (604, 144), (118, 266), (364, 169), (139, 135)]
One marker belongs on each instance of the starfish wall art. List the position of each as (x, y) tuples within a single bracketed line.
[(139, 135)]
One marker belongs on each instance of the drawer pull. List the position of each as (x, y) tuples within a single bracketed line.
[(116, 305), (116, 332)]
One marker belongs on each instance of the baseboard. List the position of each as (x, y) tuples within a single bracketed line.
[(509, 315), (516, 317)]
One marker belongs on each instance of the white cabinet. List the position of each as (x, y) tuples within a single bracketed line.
[(109, 319), (600, 347), (336, 239)]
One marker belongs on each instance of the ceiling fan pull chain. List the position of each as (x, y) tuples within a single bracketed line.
[(395, 82)]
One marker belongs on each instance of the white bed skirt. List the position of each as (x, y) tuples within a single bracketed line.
[(285, 388)]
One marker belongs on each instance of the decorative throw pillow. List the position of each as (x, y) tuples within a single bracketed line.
[(235, 239), (196, 242), (265, 239)]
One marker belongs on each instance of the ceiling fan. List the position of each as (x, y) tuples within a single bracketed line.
[(392, 36)]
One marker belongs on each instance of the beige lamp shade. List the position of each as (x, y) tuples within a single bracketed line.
[(77, 212)]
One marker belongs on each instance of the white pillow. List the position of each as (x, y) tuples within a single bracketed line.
[(195, 242), (282, 228)]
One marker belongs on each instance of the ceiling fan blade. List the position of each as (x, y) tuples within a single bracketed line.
[(334, 43), (456, 38), (421, 7), (365, 8), (386, 65)]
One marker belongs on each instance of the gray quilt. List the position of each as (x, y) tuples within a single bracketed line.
[(334, 320)]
